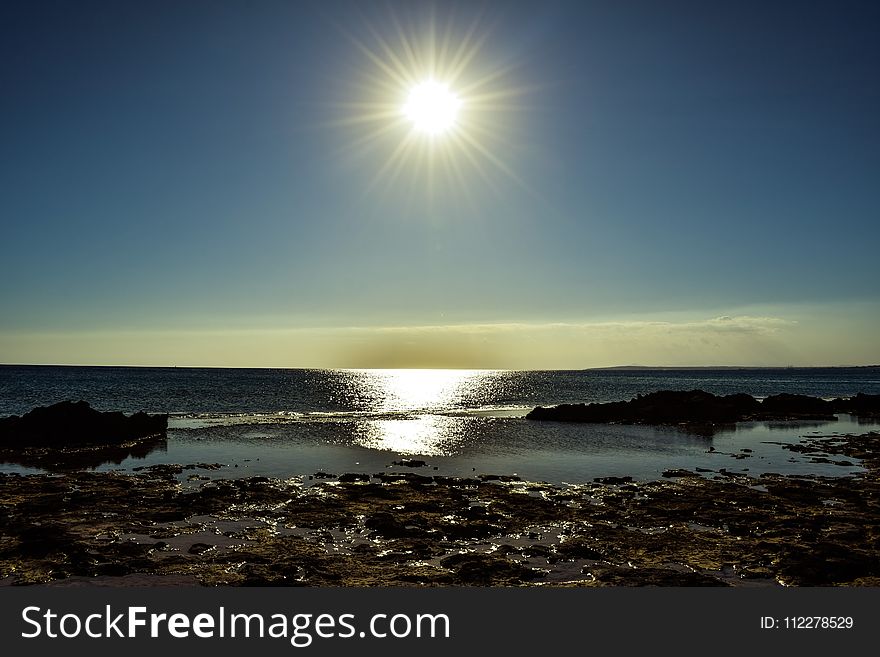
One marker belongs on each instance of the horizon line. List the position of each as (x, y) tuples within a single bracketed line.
[(475, 369)]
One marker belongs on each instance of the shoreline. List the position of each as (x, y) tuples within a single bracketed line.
[(408, 529)]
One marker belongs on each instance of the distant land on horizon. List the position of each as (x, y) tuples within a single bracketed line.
[(734, 367), (681, 368)]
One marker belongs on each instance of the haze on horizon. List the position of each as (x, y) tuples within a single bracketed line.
[(237, 184)]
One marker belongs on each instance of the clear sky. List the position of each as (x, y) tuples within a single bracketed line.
[(234, 183)]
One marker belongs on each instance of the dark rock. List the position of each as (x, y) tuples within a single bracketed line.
[(669, 474), (537, 551), (613, 480), (43, 540), (456, 531), (795, 406), (703, 410), (663, 407), (577, 548), (68, 424), (386, 524), (456, 481), (484, 569), (622, 576), (862, 405), (349, 477), (410, 463), (409, 477), (494, 477), (826, 563)]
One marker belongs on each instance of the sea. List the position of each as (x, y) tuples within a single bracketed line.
[(308, 423)]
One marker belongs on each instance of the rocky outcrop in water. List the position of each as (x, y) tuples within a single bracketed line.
[(74, 424), (700, 407)]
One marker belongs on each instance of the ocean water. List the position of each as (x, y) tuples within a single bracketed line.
[(286, 423)]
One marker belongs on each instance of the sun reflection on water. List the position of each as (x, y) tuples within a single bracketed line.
[(418, 394), (419, 390), (426, 435)]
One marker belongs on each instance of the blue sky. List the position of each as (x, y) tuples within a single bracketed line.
[(196, 183)]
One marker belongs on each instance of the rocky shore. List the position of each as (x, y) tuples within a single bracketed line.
[(72, 435), (75, 424), (696, 407), (401, 528)]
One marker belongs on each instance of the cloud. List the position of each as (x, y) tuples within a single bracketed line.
[(725, 323), (719, 340)]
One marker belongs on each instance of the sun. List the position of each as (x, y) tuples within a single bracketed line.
[(432, 108), (442, 110)]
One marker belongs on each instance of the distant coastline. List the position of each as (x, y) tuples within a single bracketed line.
[(610, 368), (698, 368)]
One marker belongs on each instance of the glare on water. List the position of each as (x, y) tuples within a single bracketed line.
[(414, 390), (411, 391)]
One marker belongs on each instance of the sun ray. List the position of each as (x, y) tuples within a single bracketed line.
[(435, 103), (466, 51), (477, 165), (414, 64), (389, 70), (492, 158), (364, 143), (392, 163), (386, 48)]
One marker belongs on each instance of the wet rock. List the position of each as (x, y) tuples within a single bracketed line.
[(349, 477), (386, 524), (537, 550), (457, 531), (613, 480), (409, 477), (756, 572), (483, 569), (826, 563), (410, 463), (503, 478), (621, 576), (43, 540), (456, 481), (679, 473), (577, 548), (203, 466)]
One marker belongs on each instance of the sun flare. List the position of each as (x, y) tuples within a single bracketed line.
[(438, 106), (432, 107)]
